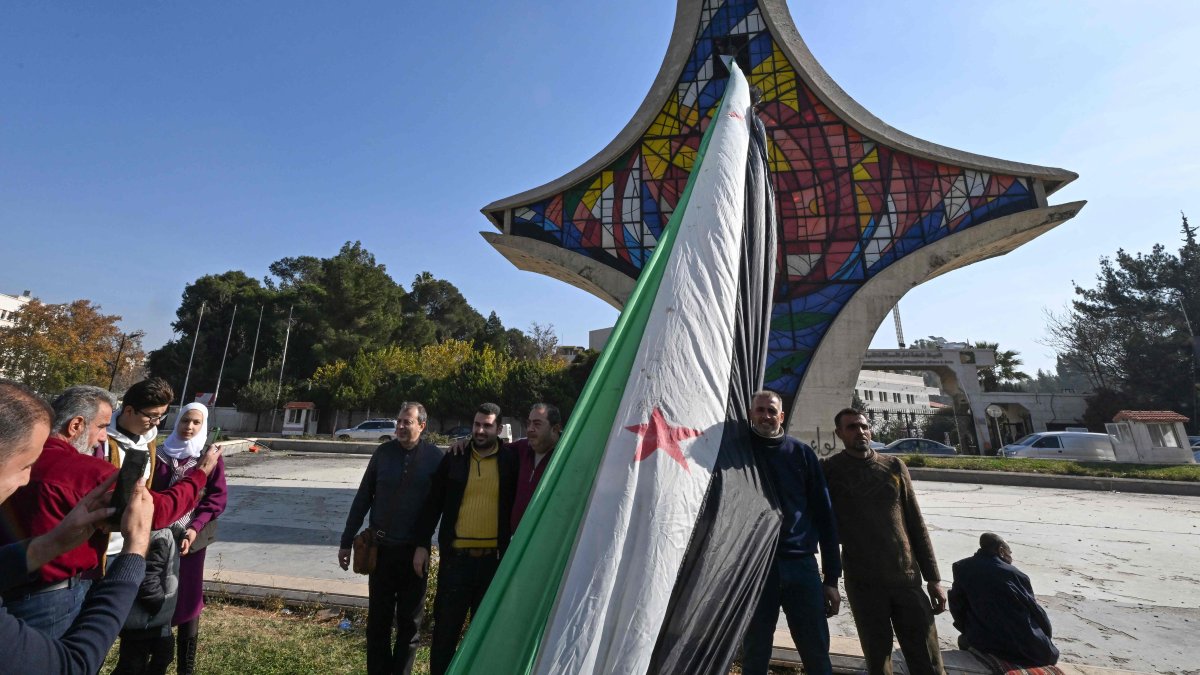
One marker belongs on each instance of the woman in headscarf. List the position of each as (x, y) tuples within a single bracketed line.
[(178, 456)]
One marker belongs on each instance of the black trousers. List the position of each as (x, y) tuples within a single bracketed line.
[(396, 596), (462, 581)]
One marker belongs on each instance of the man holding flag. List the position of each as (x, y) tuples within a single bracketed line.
[(794, 582)]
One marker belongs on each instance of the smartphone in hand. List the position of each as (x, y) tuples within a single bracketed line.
[(133, 470)]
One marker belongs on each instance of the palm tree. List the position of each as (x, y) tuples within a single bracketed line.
[(1003, 375)]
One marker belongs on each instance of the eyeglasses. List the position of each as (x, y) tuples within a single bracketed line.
[(151, 418)]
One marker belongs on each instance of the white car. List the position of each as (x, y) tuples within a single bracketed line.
[(370, 430), (1076, 445)]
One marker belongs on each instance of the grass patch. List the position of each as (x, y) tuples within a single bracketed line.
[(240, 638), (1185, 472)]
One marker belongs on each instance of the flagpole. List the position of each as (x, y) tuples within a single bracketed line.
[(250, 375), (279, 389), (195, 339), (221, 372)]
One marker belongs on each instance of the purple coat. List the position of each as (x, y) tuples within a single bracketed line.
[(191, 566)]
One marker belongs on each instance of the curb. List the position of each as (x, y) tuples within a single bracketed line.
[(1128, 485), (957, 663), (258, 593)]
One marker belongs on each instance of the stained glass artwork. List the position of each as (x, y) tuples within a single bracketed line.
[(849, 205)]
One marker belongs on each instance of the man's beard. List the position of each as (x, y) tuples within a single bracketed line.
[(80, 443)]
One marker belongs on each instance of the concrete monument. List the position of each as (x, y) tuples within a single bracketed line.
[(866, 212)]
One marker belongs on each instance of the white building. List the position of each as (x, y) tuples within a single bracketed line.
[(892, 394), (9, 304)]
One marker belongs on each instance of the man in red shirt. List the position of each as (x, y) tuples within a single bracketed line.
[(542, 431), (61, 477)]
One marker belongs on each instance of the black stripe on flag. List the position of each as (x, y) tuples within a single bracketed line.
[(733, 543)]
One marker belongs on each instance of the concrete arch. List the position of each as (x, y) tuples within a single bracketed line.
[(835, 364)]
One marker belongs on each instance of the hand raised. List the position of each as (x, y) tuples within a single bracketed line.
[(135, 525), (208, 460)]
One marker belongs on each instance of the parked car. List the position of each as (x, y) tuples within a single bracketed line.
[(1075, 445), (1194, 441), (876, 445), (370, 430), (921, 446), (460, 431)]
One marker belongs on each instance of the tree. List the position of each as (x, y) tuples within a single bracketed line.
[(442, 305), (1005, 375), (1130, 333), (219, 294), (343, 305), (544, 339), (52, 347), (257, 397), (534, 381)]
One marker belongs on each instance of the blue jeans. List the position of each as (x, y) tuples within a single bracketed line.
[(51, 612), (794, 584)]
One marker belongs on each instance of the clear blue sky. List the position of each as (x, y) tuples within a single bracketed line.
[(143, 145)]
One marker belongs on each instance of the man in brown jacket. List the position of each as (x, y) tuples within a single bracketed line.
[(885, 552)]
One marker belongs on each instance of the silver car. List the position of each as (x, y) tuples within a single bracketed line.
[(370, 430)]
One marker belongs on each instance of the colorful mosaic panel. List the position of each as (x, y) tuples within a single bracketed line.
[(848, 205)]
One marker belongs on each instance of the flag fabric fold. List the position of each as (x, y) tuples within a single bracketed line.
[(646, 543)]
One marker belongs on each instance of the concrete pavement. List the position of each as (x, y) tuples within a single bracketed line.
[(1118, 573)]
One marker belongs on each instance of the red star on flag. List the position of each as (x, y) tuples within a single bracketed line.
[(658, 434)]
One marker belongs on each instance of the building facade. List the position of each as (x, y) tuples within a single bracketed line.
[(9, 304)]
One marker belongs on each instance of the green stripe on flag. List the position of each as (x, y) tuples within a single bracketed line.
[(505, 635)]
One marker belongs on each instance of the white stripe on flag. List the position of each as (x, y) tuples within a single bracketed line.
[(641, 513)]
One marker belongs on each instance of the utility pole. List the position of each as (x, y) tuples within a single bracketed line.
[(195, 339), (279, 389), (221, 372), (1195, 354), (120, 350), (250, 375)]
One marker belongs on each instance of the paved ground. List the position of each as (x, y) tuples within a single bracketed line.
[(1118, 573)]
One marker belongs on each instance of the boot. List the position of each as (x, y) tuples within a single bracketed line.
[(185, 653)]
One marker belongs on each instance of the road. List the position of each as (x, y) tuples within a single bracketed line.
[(1118, 573)]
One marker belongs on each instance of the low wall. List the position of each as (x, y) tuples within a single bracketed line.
[(298, 445), (1041, 480), (233, 447)]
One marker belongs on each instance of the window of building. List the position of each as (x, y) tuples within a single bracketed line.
[(895, 397), (883, 396), (870, 395), (293, 416), (911, 399), (1163, 435)]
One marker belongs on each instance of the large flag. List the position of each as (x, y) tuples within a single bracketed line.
[(647, 541)]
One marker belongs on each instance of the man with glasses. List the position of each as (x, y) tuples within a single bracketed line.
[(393, 489), (64, 474)]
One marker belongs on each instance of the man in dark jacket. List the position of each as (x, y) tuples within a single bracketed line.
[(394, 489), (994, 608), (472, 494), (808, 596)]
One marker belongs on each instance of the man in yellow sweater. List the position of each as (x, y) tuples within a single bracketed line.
[(472, 494)]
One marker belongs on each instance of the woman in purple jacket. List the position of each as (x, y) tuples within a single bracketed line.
[(178, 456)]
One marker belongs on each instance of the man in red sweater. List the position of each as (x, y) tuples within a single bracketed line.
[(51, 598)]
